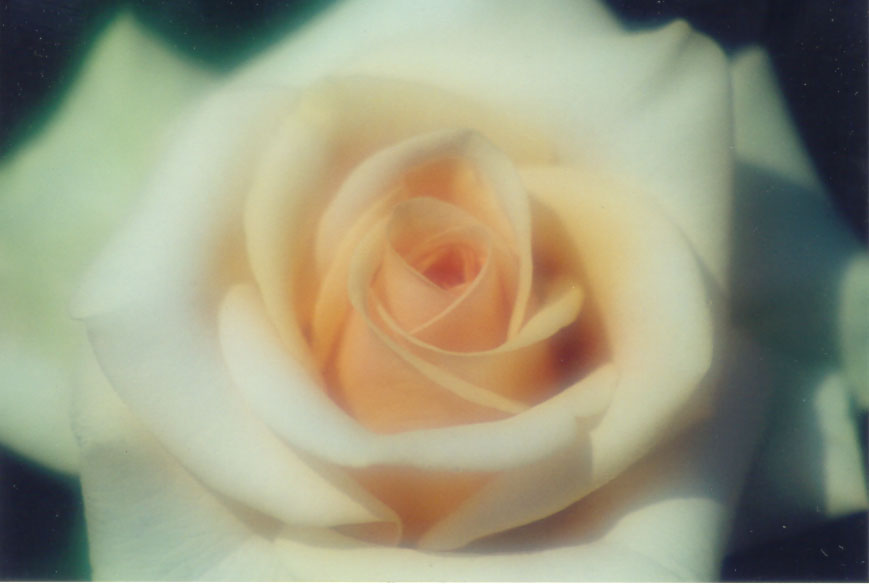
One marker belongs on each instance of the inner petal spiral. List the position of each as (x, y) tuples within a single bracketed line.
[(449, 266), (445, 277)]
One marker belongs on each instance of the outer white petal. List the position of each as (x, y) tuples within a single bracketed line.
[(150, 305), (361, 26), (653, 107), (657, 315), (147, 517), (61, 194), (663, 520), (799, 283)]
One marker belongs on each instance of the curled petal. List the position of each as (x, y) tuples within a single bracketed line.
[(154, 332)]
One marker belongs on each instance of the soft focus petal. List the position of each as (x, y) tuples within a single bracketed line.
[(810, 466), (654, 106), (61, 194), (854, 328), (333, 127), (791, 249), (141, 505), (799, 285), (664, 520), (154, 333), (659, 327), (335, 36), (284, 396)]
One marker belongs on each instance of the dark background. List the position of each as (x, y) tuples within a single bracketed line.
[(819, 51)]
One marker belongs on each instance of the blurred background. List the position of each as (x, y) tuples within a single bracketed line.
[(819, 51)]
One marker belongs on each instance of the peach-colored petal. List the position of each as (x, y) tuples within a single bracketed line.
[(663, 519), (656, 306), (383, 172), (421, 495), (386, 393), (284, 395), (370, 192), (475, 306), (421, 498), (331, 307), (548, 354), (335, 124), (619, 240), (653, 105), (524, 367), (365, 263)]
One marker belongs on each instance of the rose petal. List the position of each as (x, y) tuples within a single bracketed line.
[(365, 263), (377, 381), (328, 42), (472, 316), (505, 209), (53, 222), (284, 395), (796, 285), (146, 514), (663, 520), (523, 367), (154, 333), (468, 172), (551, 332), (334, 124), (652, 106), (654, 305)]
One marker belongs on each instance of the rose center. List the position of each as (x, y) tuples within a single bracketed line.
[(449, 266)]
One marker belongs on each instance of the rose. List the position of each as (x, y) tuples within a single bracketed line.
[(166, 293), (340, 323)]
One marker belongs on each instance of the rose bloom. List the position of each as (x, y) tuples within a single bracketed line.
[(445, 291)]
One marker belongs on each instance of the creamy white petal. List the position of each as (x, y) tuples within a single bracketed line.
[(336, 125), (652, 107), (148, 517), (799, 282), (662, 521), (336, 35), (62, 195), (791, 248), (764, 133), (34, 404), (154, 330), (665, 519), (809, 466), (658, 319)]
